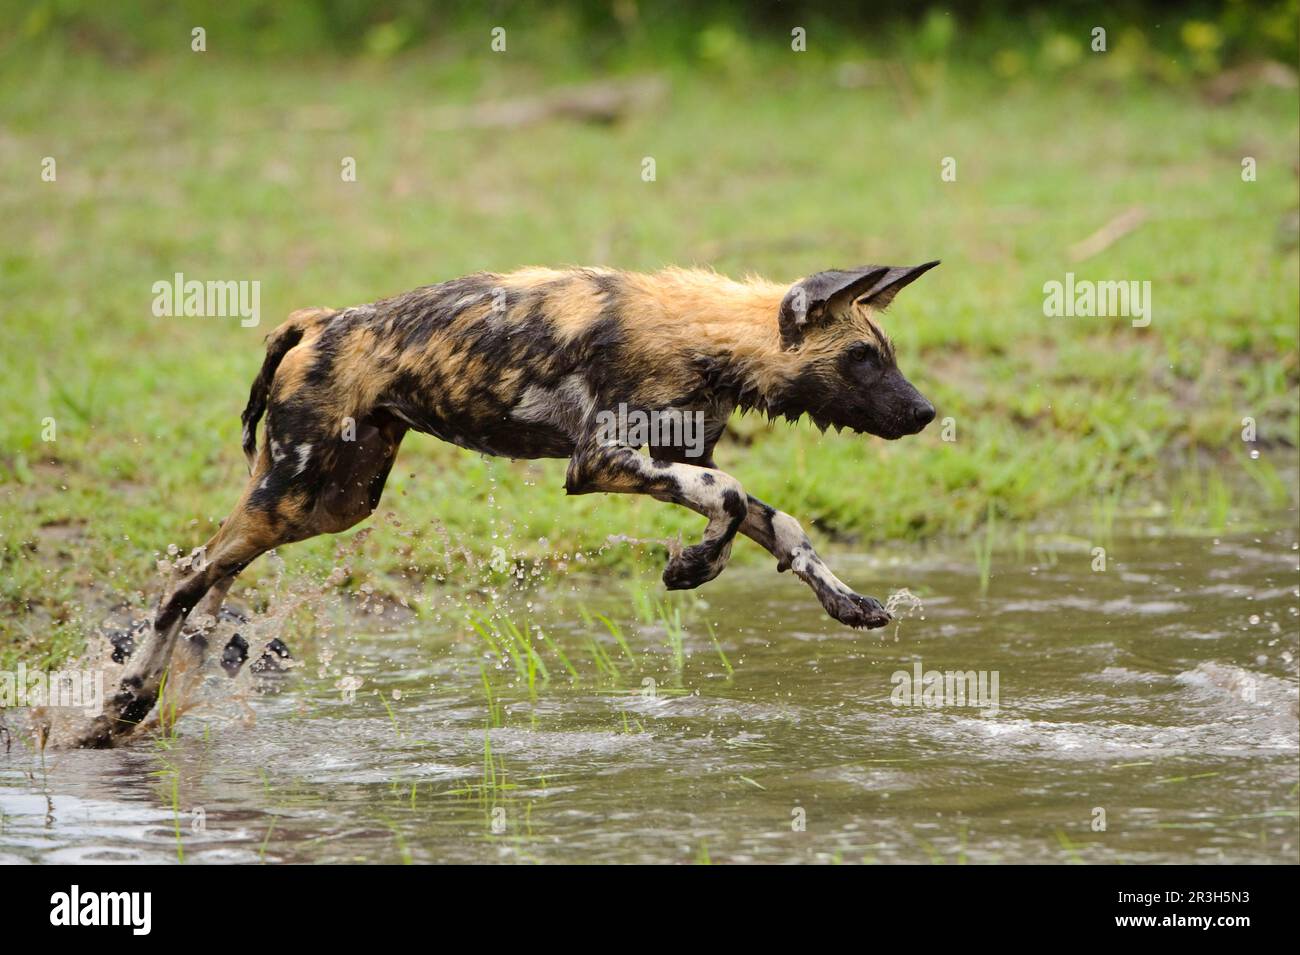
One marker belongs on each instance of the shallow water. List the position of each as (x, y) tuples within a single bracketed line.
[(1147, 713)]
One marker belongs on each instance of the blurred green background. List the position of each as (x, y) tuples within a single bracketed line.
[(226, 164), (1197, 37)]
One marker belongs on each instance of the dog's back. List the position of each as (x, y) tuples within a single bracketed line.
[(497, 362)]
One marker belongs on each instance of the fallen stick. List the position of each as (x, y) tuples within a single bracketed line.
[(593, 103), (1108, 235)]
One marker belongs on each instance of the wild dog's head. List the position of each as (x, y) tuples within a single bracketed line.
[(840, 368)]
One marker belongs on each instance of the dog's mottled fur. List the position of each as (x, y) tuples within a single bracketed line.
[(519, 365)]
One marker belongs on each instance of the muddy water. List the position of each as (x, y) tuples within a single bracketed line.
[(1145, 713)]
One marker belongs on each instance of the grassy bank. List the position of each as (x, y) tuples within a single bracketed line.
[(230, 169)]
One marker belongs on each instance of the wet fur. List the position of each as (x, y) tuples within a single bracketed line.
[(517, 365)]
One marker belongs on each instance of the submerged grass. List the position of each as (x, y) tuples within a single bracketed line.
[(984, 545), (586, 653), (713, 637), (675, 637), (513, 643)]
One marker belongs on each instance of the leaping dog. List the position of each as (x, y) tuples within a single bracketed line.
[(531, 364)]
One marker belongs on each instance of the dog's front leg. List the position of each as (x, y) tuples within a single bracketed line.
[(618, 469), (781, 534)]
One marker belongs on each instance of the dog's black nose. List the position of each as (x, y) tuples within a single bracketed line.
[(922, 415)]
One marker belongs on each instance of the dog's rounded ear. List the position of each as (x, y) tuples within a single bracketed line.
[(820, 296), (823, 295), (892, 282)]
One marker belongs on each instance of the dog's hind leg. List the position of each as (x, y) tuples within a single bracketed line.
[(241, 539), (619, 469), (782, 536), (247, 533), (209, 607), (215, 598), (284, 502)]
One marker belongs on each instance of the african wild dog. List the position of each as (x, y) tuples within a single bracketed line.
[(520, 365)]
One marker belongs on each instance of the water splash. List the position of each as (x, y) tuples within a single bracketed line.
[(673, 544), (903, 603)]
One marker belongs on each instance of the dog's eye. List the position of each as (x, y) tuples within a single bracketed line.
[(859, 352)]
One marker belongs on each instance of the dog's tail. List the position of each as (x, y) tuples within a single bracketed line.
[(278, 344)]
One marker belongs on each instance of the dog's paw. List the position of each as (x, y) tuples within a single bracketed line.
[(234, 654), (695, 565), (124, 640), (273, 658), (855, 610)]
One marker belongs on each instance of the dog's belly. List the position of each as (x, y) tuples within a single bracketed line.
[(493, 432), (513, 439)]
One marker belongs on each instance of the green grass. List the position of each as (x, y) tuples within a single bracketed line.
[(984, 546), (229, 169), (596, 654)]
